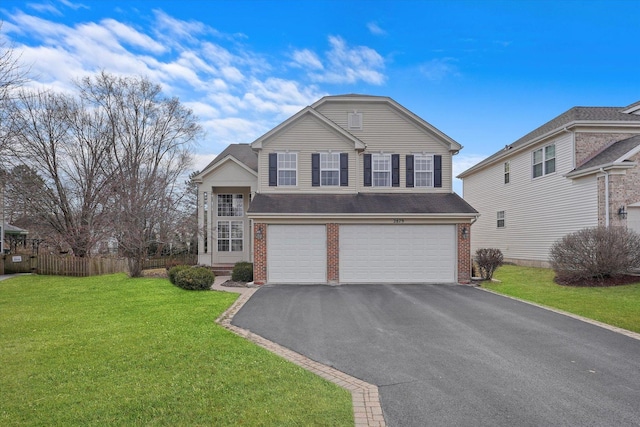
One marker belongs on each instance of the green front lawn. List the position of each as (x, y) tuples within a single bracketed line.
[(111, 350), (617, 305)]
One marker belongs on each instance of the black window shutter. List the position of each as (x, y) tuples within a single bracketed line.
[(409, 170), (437, 171), (344, 169), (395, 170), (273, 169), (315, 169), (367, 170)]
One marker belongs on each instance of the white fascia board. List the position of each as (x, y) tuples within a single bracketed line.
[(453, 217), (228, 158), (258, 143), (454, 146), (628, 154), (526, 145), (596, 169)]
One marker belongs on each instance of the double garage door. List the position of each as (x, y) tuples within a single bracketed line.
[(368, 253)]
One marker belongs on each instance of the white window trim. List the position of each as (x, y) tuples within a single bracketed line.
[(336, 169), (543, 151), (230, 239), (373, 170), (286, 169), (507, 172), (416, 171), (502, 218), (234, 197)]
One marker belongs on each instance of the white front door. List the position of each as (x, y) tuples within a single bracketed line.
[(296, 254), (398, 254)]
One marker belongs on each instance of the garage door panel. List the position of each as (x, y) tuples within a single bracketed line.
[(397, 253), (296, 254)]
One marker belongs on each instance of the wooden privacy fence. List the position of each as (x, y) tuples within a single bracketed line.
[(81, 267)]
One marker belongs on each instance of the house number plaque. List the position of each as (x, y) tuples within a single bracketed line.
[(398, 221)]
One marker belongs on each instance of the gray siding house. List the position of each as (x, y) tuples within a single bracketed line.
[(352, 189), (579, 170)]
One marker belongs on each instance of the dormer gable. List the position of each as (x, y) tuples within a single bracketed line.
[(302, 114)]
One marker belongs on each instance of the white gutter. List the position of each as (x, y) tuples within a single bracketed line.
[(606, 196)]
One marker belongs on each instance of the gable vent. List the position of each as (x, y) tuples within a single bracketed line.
[(355, 121)]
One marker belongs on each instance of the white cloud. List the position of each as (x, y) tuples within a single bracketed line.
[(306, 59), (375, 29), (44, 7), (347, 64), (74, 6), (439, 69), (237, 93)]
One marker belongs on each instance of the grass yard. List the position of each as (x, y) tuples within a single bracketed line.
[(616, 305), (111, 350)]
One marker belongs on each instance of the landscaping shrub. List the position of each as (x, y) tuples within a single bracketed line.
[(488, 261), (173, 271), (595, 255), (242, 272), (195, 278)]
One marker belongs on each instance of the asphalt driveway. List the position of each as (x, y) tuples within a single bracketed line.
[(450, 355)]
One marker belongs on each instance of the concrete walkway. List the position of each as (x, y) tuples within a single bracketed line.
[(366, 401)]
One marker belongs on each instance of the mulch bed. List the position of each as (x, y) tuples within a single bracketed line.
[(608, 281), (232, 284)]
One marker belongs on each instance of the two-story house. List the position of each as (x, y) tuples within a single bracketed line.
[(352, 189), (579, 170)]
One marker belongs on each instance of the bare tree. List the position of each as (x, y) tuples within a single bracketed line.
[(152, 137), (69, 145), (13, 74)]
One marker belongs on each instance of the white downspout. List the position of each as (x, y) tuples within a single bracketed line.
[(606, 197)]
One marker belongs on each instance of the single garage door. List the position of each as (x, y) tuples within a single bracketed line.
[(397, 253), (296, 254)]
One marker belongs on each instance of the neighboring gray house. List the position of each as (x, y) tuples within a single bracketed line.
[(352, 189), (581, 169)]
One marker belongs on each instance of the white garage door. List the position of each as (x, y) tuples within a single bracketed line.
[(397, 253), (296, 254)]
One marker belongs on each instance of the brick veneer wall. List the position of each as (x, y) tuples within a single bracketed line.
[(260, 254), (464, 254), (590, 144), (333, 253), (623, 190)]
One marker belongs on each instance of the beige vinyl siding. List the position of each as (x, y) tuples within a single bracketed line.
[(385, 129), (537, 211), (305, 137)]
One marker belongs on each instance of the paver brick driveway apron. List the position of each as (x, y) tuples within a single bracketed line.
[(451, 355)]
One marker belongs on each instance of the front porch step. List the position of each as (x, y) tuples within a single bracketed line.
[(222, 269)]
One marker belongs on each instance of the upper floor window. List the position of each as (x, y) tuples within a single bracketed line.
[(230, 205), (329, 168), (423, 170), (507, 170), (381, 170), (283, 169), (544, 161), (501, 219)]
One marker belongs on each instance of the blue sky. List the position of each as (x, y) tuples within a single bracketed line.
[(483, 72)]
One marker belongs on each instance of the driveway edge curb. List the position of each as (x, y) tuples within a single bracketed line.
[(603, 325), (367, 411)]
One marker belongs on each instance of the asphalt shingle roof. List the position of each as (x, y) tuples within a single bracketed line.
[(242, 152), (575, 114), (612, 153), (361, 203)]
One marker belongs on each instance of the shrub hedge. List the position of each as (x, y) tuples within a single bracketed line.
[(173, 271), (242, 272), (195, 278)]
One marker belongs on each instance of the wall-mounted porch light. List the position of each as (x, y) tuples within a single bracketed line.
[(465, 232), (259, 233), (622, 213)]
